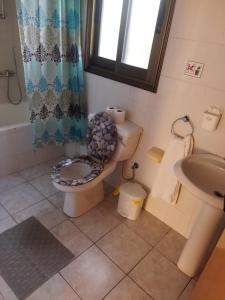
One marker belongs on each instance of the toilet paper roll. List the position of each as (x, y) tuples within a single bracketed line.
[(110, 110), (119, 115)]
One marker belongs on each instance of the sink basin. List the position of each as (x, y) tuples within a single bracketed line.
[(204, 176)]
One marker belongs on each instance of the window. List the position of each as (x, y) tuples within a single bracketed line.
[(126, 39)]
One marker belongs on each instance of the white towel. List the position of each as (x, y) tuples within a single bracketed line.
[(166, 185)]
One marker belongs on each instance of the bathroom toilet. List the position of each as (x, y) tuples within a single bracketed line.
[(81, 178)]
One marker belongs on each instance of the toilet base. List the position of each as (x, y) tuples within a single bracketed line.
[(78, 203)]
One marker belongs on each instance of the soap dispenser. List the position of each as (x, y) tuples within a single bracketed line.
[(211, 118)]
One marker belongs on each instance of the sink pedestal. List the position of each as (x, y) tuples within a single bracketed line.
[(203, 237)]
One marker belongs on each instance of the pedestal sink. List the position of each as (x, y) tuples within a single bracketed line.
[(204, 176)]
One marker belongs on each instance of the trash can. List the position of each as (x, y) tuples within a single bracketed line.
[(131, 200)]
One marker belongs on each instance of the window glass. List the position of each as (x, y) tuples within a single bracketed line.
[(109, 28), (140, 32)]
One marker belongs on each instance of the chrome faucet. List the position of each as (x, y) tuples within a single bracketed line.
[(7, 73), (2, 11)]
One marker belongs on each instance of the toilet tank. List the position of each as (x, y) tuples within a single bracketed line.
[(128, 138)]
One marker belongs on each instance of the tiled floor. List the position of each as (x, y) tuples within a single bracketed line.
[(115, 259)]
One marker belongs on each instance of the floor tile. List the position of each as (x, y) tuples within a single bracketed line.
[(110, 204), (159, 277), (108, 189), (124, 247), (10, 181), (56, 288), (44, 211), (96, 223), (149, 227), (20, 197), (6, 224), (44, 185), (57, 199), (71, 237), (171, 245), (127, 290), (36, 171), (188, 290), (5, 291), (3, 213), (92, 275)]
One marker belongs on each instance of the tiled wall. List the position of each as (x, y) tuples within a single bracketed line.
[(9, 38), (198, 34)]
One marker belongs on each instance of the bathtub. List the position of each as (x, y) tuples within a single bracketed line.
[(16, 151), (13, 115)]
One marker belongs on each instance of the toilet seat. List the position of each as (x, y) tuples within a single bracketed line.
[(96, 169)]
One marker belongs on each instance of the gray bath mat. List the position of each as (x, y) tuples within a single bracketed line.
[(29, 256)]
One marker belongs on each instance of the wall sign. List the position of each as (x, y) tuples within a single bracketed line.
[(194, 69)]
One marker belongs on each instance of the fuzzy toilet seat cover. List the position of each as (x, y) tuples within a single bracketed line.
[(101, 137)]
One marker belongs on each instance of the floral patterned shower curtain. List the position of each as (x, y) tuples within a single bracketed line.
[(51, 47)]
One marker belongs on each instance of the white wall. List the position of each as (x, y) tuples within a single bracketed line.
[(9, 38), (198, 34)]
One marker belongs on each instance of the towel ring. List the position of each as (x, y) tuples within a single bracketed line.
[(184, 119)]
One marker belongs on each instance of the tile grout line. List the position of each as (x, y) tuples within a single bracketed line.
[(184, 288), (114, 263), (144, 238), (110, 230), (26, 181), (69, 285), (148, 252), (126, 274), (2, 206), (177, 37), (30, 182), (37, 165), (61, 209), (140, 287), (94, 244), (173, 77), (139, 261), (9, 189), (113, 287), (20, 211)]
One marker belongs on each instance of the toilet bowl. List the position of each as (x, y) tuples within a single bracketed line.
[(81, 178), (86, 190)]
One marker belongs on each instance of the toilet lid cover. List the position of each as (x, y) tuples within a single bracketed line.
[(101, 137)]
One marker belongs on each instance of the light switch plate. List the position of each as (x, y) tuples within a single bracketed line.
[(194, 69)]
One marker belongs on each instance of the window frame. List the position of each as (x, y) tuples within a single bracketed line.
[(116, 70)]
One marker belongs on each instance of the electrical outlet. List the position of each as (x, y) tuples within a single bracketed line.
[(194, 69)]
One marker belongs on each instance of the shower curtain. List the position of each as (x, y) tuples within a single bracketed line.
[(51, 48)]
